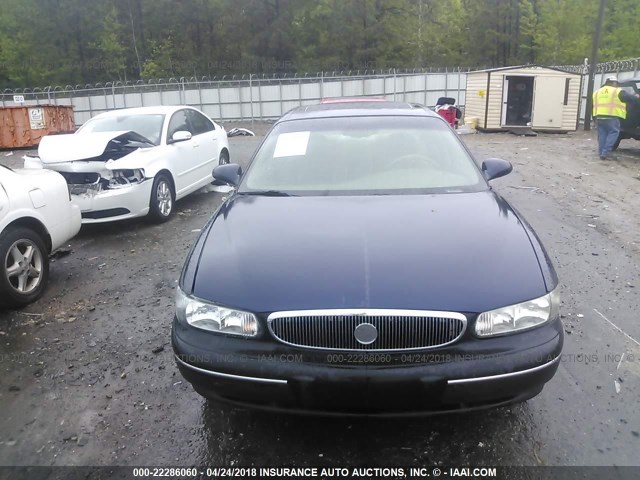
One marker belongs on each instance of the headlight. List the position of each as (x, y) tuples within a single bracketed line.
[(125, 178), (213, 318), (521, 316)]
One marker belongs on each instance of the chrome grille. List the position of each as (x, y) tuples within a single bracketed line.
[(397, 329)]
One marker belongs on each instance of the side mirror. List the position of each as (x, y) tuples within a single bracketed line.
[(180, 136), (495, 168), (229, 174)]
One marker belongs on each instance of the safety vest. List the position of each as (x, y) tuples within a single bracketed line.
[(606, 101)]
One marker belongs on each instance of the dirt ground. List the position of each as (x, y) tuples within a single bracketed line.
[(87, 375)]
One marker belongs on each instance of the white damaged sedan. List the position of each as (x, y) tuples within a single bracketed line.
[(135, 162)]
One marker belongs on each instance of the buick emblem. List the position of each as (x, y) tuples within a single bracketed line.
[(366, 333)]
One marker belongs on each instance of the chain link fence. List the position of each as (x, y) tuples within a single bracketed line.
[(265, 97), (249, 97)]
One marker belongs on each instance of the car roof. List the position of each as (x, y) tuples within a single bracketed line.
[(352, 99), (159, 110), (358, 108), (630, 80)]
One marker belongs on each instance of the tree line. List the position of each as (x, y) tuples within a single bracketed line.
[(59, 42)]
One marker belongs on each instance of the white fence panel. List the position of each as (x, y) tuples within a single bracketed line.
[(268, 98), (212, 111), (374, 86), (229, 95), (133, 100), (290, 92), (118, 101), (269, 93), (332, 89), (311, 91), (437, 82), (99, 103), (152, 98), (286, 106), (210, 96), (230, 110), (432, 97), (172, 98), (352, 88), (271, 110), (389, 85), (413, 83), (192, 97), (80, 104)]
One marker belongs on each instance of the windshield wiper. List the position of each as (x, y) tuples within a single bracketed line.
[(267, 193)]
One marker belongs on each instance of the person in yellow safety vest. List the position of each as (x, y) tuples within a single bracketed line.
[(609, 106)]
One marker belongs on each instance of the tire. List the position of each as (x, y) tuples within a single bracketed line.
[(163, 199), (24, 267), (224, 158)]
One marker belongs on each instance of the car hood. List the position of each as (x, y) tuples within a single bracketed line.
[(455, 252), (97, 146)]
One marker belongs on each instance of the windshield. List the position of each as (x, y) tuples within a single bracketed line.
[(362, 155), (147, 125)]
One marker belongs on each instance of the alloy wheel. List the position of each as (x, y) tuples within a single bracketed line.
[(165, 202), (23, 266)]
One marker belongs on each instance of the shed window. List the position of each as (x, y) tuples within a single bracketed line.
[(566, 90)]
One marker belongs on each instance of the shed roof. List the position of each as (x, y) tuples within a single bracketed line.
[(521, 67)]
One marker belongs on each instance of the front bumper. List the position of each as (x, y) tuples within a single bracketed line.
[(472, 374), (114, 204)]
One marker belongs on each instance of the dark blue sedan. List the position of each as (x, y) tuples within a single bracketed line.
[(364, 265)]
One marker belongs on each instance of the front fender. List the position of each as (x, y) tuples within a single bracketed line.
[(151, 160)]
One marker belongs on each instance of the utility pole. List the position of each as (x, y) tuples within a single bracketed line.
[(592, 66)]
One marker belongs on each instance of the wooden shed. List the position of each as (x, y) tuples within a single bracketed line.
[(531, 96), (24, 126)]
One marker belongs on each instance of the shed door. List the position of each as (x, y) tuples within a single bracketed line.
[(517, 100), (548, 102)]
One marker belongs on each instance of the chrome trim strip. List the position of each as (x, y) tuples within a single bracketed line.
[(503, 375), (366, 312), (230, 376)]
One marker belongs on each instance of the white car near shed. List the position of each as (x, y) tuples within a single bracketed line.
[(36, 217), (135, 162)]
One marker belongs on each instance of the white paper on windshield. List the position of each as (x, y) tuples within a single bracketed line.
[(291, 144)]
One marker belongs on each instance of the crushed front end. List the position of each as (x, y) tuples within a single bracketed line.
[(89, 163), (110, 194)]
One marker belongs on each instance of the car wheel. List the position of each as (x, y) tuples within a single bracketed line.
[(162, 199), (24, 267), (224, 158)]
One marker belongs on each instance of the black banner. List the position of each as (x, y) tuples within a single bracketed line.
[(337, 472)]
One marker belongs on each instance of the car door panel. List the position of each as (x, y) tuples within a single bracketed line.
[(184, 156), (205, 134)]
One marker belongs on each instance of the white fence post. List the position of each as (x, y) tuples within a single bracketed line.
[(395, 78), (260, 98), (251, 99)]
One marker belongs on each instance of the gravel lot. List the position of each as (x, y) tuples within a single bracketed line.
[(87, 375)]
